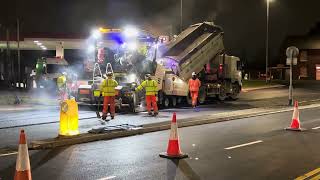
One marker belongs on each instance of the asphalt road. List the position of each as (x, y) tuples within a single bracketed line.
[(43, 123), (216, 151)]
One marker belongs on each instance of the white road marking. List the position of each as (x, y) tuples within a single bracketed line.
[(242, 145), (106, 178), (8, 154), (316, 128)]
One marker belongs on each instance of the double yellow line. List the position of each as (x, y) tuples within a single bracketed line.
[(312, 175)]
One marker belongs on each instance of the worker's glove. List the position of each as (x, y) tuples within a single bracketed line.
[(100, 94), (133, 89)]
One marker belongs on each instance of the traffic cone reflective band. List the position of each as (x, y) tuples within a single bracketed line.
[(173, 151), (295, 123), (23, 171)]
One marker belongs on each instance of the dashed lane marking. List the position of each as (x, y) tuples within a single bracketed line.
[(107, 178), (309, 174), (316, 128), (8, 154), (242, 145)]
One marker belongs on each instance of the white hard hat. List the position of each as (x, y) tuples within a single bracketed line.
[(194, 73), (64, 73)]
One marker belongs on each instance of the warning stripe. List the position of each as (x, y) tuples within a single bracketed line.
[(23, 162), (174, 131), (295, 114)]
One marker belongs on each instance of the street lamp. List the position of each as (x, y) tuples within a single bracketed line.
[(181, 11), (267, 38)]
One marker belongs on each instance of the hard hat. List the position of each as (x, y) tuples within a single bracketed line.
[(109, 74), (64, 73), (148, 75), (194, 73)]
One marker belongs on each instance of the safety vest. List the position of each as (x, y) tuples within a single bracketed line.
[(61, 81), (108, 87), (194, 85), (150, 87)]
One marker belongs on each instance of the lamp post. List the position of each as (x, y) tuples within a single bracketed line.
[(267, 38), (181, 14)]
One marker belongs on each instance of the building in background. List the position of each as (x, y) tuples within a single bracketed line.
[(308, 66)]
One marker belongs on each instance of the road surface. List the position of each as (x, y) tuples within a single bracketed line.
[(44, 123), (250, 148)]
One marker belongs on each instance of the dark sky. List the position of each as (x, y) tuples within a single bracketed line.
[(244, 21)]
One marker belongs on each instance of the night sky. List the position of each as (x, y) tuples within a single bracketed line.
[(244, 21)]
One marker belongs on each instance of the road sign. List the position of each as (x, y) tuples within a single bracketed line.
[(292, 52), (294, 61)]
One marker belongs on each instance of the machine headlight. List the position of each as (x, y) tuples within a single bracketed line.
[(132, 78)]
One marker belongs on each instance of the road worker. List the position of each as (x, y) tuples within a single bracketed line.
[(107, 89), (150, 87), (194, 85), (62, 86)]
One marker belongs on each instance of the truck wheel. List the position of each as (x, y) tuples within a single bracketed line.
[(132, 108), (222, 95), (235, 91), (174, 101), (202, 95), (166, 102)]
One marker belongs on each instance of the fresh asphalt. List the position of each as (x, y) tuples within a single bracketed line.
[(250, 148)]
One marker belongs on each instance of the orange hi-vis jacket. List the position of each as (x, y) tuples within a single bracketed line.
[(194, 85)]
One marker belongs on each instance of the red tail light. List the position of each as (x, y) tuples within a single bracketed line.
[(220, 68)]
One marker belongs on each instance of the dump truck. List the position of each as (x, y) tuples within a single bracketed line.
[(198, 49)]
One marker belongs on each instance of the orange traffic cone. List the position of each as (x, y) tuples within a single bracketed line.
[(295, 124), (23, 171), (173, 151)]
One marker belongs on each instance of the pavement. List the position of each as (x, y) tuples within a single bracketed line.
[(249, 148)]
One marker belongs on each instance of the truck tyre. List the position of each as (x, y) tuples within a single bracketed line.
[(202, 95), (235, 91), (222, 95), (174, 101)]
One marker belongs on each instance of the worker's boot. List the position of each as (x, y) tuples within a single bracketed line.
[(155, 113), (150, 113), (112, 116), (104, 116)]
